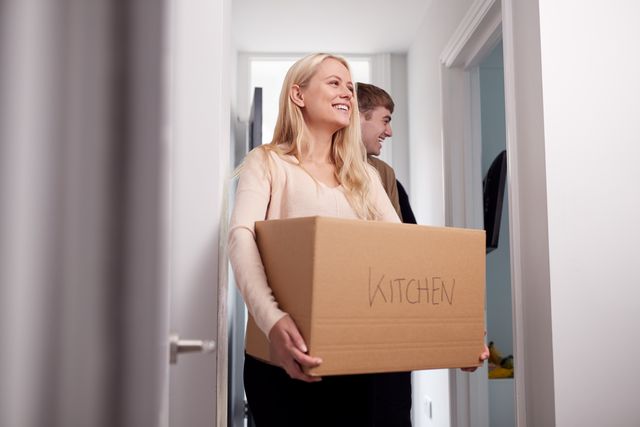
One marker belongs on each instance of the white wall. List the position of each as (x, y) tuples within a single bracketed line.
[(425, 108), (400, 122), (591, 91), (426, 165)]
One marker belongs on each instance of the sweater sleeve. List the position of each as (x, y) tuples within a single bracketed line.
[(251, 203)]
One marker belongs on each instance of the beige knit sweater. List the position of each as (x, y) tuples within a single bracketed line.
[(277, 187)]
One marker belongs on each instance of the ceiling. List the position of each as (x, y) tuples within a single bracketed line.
[(337, 26)]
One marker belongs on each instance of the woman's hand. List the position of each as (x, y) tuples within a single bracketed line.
[(288, 350), (483, 356)]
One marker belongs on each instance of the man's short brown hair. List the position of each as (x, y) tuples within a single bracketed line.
[(371, 97)]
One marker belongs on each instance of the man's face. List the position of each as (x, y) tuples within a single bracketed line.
[(376, 129)]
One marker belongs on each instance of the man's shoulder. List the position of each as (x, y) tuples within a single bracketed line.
[(381, 166)]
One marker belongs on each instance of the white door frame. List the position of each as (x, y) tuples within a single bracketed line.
[(517, 23), (528, 222), (477, 35)]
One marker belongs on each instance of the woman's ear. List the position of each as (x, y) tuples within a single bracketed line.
[(297, 96)]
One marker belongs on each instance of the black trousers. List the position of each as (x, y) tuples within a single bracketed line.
[(371, 400)]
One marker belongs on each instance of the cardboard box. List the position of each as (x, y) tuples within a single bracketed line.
[(376, 297)]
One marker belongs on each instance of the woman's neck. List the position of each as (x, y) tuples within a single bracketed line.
[(319, 148)]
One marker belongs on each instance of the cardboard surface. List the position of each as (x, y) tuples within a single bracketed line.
[(376, 297)]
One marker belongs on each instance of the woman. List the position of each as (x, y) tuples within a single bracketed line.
[(315, 165)]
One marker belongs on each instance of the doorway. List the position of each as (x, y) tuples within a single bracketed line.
[(517, 24), (496, 222)]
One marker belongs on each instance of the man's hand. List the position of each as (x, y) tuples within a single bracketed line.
[(288, 350)]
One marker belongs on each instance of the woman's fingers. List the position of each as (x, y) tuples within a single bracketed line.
[(300, 359), (304, 359), (296, 338), (286, 345), (299, 350), (483, 356), (294, 370), (295, 363)]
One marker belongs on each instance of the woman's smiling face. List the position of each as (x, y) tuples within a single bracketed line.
[(328, 96)]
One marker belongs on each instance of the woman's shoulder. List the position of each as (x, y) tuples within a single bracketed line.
[(271, 159), (277, 154)]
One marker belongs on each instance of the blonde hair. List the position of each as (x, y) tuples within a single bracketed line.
[(348, 153)]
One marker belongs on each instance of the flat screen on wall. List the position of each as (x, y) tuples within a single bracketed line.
[(493, 195), (255, 120)]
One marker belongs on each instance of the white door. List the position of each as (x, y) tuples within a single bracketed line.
[(83, 300), (198, 171)]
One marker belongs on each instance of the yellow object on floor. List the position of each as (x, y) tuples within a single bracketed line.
[(500, 373), (495, 356)]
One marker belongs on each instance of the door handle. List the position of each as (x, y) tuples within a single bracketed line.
[(178, 346)]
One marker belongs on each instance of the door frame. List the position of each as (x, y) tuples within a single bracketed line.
[(518, 24), (478, 34), (528, 220)]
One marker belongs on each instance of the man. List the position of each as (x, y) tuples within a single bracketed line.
[(390, 398), (376, 107)]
